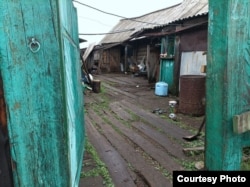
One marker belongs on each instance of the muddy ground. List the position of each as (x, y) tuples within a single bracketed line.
[(130, 128)]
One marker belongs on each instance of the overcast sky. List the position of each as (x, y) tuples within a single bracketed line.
[(92, 21)]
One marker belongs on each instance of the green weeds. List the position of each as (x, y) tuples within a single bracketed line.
[(100, 168)]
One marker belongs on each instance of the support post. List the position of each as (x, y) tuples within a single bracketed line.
[(228, 82)]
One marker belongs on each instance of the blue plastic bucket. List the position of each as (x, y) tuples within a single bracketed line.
[(161, 89)]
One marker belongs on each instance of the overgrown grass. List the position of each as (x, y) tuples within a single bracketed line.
[(100, 168)]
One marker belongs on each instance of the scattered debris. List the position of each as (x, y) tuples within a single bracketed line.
[(85, 86), (159, 111), (199, 165), (172, 116), (155, 110)]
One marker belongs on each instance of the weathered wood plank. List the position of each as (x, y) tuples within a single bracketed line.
[(115, 163), (155, 151), (241, 123), (162, 139), (151, 175), (173, 148), (227, 83), (121, 112), (119, 91), (168, 128), (45, 107)]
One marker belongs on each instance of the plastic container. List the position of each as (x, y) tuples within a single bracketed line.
[(161, 89)]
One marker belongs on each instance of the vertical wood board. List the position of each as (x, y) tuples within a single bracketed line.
[(227, 86), (36, 93)]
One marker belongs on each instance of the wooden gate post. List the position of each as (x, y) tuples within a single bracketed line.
[(228, 84)]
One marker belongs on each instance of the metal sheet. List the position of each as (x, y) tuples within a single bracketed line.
[(184, 10), (191, 63)]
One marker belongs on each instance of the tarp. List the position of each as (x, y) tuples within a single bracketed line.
[(88, 51)]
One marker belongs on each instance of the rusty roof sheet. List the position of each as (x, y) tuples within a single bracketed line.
[(186, 9)]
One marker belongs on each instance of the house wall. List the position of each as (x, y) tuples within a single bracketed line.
[(146, 51), (141, 52), (194, 40), (154, 61), (193, 47), (110, 60)]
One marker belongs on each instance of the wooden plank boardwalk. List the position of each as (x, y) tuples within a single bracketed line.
[(139, 147)]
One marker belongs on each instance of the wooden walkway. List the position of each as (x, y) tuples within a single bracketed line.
[(139, 147)]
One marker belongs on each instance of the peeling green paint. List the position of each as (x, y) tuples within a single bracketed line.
[(43, 91), (227, 82)]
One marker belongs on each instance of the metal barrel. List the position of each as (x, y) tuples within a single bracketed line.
[(192, 94)]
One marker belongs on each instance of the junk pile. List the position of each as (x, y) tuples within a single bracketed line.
[(172, 115), (88, 81), (137, 69)]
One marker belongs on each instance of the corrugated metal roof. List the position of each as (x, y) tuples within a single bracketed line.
[(186, 9)]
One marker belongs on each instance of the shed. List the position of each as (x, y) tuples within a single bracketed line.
[(183, 42), (140, 38)]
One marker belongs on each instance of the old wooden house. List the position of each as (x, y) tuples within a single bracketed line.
[(166, 42)]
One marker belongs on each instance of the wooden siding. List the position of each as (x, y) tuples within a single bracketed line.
[(141, 53), (145, 50), (110, 60), (194, 40)]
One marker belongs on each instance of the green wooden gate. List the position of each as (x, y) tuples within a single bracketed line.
[(40, 68), (228, 84)]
